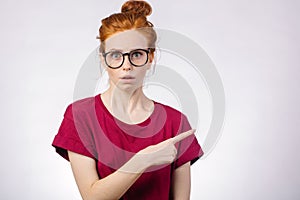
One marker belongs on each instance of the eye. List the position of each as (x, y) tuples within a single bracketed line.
[(115, 55), (137, 54)]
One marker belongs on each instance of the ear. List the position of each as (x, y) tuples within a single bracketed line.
[(151, 57), (102, 61), (101, 57)]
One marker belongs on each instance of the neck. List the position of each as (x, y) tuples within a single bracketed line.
[(126, 101)]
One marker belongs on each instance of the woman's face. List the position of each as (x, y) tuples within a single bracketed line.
[(125, 42)]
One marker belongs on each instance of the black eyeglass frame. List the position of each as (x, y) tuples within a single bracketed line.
[(128, 55)]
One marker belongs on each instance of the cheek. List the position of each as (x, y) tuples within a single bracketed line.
[(142, 73), (111, 74), (148, 67)]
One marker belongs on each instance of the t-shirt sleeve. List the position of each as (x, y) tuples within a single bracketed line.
[(73, 136), (188, 149)]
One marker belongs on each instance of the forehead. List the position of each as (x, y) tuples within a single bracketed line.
[(126, 40)]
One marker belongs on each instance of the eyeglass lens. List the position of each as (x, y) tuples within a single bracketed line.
[(137, 57)]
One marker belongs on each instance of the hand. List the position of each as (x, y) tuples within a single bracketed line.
[(164, 152)]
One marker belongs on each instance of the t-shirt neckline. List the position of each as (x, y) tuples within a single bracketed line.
[(145, 122)]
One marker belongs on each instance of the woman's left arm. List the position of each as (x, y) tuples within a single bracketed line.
[(182, 182)]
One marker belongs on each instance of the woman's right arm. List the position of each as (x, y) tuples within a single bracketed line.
[(111, 187), (116, 184)]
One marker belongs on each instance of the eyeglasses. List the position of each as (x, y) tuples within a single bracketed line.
[(137, 57)]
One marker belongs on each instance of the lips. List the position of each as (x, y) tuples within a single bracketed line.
[(127, 77)]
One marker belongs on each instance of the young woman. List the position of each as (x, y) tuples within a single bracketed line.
[(121, 144)]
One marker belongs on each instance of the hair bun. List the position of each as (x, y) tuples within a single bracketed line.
[(139, 7)]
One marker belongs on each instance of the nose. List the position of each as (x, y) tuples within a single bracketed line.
[(126, 65)]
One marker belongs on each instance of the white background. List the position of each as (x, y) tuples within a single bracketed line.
[(254, 45)]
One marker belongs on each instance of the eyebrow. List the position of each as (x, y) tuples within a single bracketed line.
[(121, 50), (113, 49)]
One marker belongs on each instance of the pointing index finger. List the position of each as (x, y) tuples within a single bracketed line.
[(183, 135)]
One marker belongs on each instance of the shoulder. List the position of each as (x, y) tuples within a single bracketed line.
[(172, 112), (176, 121), (81, 106)]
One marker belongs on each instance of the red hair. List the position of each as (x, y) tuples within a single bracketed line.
[(133, 16)]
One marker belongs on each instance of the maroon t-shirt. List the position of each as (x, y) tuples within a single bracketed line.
[(88, 128)]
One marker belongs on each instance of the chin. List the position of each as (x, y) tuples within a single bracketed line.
[(127, 87)]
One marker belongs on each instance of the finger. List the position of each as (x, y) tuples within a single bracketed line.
[(183, 135)]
